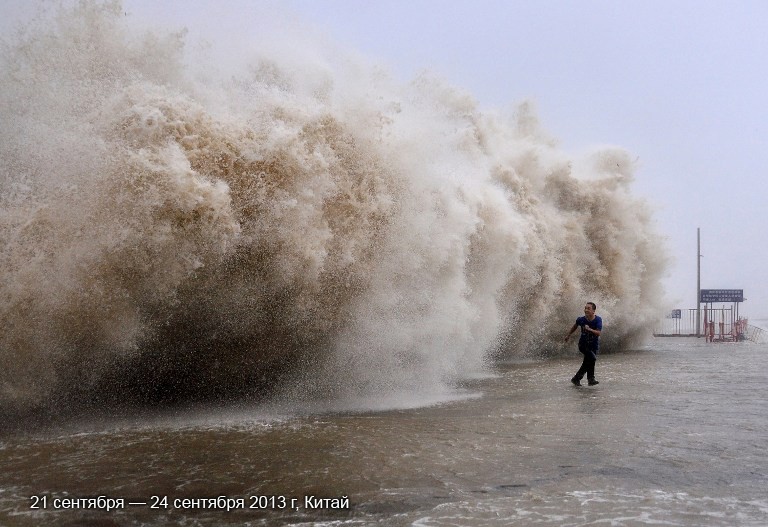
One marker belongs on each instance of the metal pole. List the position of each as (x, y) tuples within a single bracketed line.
[(698, 281)]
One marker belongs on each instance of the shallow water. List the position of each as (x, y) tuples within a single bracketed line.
[(674, 434)]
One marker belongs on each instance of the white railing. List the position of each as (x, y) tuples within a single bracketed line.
[(717, 324)]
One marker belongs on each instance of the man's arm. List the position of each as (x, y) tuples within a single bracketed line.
[(593, 331), (570, 332)]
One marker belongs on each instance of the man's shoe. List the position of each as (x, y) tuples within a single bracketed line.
[(576, 381), (592, 382)]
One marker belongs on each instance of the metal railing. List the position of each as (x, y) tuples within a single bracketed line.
[(717, 325), (756, 334), (682, 326)]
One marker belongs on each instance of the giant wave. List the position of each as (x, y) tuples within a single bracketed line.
[(311, 228)]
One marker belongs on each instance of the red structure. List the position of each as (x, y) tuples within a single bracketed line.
[(721, 324), (730, 331)]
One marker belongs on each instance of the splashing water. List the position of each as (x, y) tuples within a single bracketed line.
[(312, 228)]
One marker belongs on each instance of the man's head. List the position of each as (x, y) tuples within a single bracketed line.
[(590, 308)]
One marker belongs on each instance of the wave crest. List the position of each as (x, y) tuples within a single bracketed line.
[(319, 232)]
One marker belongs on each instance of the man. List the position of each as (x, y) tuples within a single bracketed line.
[(589, 343)]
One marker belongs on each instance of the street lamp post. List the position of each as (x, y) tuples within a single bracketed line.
[(698, 281)]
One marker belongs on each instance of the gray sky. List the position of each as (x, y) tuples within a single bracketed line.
[(681, 84)]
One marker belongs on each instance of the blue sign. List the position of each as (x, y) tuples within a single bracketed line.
[(709, 296)]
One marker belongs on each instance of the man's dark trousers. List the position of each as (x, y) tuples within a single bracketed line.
[(588, 365)]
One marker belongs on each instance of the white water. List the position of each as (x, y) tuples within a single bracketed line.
[(301, 224)]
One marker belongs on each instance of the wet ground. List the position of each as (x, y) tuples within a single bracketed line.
[(674, 434)]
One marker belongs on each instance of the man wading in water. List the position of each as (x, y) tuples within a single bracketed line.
[(589, 343)]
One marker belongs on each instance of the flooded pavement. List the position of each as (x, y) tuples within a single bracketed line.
[(674, 434)]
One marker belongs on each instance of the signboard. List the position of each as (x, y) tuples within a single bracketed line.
[(675, 313), (721, 295)]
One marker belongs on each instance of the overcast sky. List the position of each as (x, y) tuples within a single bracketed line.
[(681, 84)]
